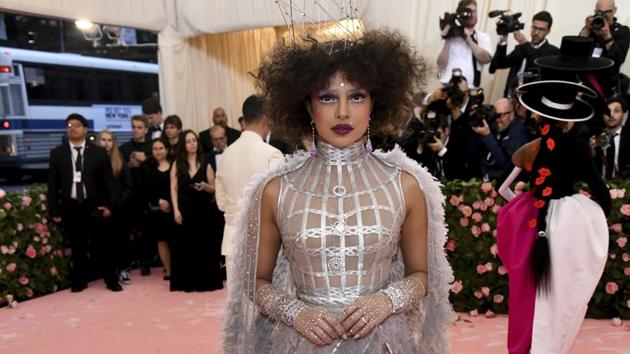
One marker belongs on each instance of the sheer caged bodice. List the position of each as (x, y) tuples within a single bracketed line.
[(340, 215)]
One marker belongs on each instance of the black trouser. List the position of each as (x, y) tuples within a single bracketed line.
[(83, 223)]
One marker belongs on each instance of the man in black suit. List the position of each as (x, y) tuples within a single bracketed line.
[(152, 109), (219, 117), (613, 159), (80, 190), (218, 140), (521, 59), (612, 39)]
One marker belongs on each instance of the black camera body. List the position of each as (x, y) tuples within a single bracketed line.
[(479, 110), (599, 20), (456, 21), (452, 91), (508, 23)]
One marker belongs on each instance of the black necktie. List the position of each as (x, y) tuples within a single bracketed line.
[(78, 167), (477, 72), (610, 158)]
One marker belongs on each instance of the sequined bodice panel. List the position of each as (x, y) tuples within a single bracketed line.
[(340, 215)]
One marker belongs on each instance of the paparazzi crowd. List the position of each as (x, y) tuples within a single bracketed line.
[(456, 136)]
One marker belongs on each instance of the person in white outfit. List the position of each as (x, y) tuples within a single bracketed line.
[(246, 157)]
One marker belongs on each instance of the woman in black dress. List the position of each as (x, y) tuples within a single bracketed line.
[(194, 264), (160, 225)]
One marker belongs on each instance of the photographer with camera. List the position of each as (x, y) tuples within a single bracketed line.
[(508, 136), (612, 39), (464, 47), (521, 59), (612, 147)]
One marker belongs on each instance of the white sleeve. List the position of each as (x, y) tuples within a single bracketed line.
[(484, 42), (505, 191)]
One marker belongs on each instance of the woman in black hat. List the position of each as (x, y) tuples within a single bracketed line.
[(553, 240)]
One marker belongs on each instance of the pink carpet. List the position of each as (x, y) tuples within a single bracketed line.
[(148, 319)]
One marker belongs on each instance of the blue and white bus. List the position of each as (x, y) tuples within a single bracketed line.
[(38, 90)]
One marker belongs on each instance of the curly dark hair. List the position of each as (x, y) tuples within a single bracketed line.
[(381, 62)]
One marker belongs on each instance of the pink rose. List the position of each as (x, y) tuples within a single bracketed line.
[(2, 193), (450, 245), (625, 209), (481, 269), (476, 217), (43, 207), (485, 291), (486, 187), (477, 204), (23, 280), (611, 287), (494, 249), (628, 304), (498, 298), (54, 271), (485, 227), (494, 194), (502, 270), (495, 209), (614, 194), (43, 251), (29, 293), (612, 255), (26, 200), (464, 222), (467, 211), (626, 257), (621, 242), (519, 186), (475, 230), (460, 207), (11, 267), (478, 294), (489, 201), (494, 233), (585, 193), (490, 314), (483, 207), (616, 322), (4, 249), (473, 313), (19, 227), (42, 197), (454, 200), (30, 252), (40, 228), (616, 227), (626, 271), (488, 266), (457, 287), (7, 206)]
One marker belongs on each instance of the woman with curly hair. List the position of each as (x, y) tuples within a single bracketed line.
[(340, 249)]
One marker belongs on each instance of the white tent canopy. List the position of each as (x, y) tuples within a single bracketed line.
[(207, 47)]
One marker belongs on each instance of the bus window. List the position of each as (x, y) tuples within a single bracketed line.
[(142, 86), (42, 83), (79, 85), (109, 86)]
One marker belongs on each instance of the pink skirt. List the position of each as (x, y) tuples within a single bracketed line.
[(515, 240)]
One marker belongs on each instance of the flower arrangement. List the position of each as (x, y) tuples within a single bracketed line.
[(33, 256)]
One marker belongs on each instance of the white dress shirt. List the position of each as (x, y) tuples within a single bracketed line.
[(246, 157), (75, 153), (460, 56)]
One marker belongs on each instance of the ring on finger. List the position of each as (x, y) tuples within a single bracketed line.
[(365, 321)]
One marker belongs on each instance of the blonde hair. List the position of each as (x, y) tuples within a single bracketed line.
[(114, 156)]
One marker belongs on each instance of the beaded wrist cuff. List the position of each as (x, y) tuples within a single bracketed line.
[(278, 305), (405, 294)]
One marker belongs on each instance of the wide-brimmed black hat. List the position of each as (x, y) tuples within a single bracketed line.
[(576, 54), (556, 99)]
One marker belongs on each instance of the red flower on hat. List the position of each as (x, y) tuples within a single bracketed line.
[(551, 144), (539, 204), (547, 192), (545, 129), (528, 166), (539, 181), (544, 172)]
